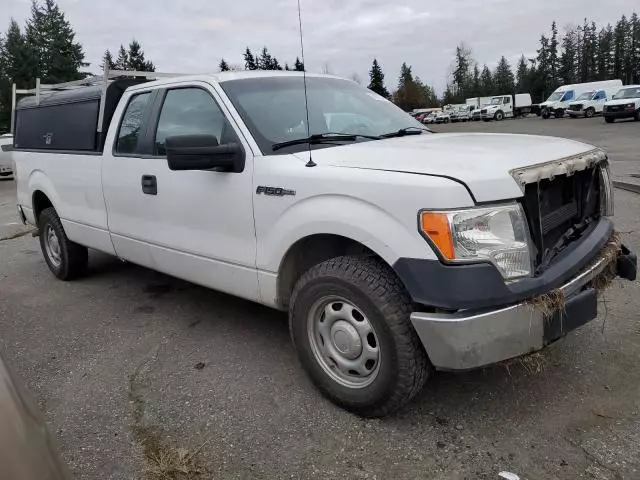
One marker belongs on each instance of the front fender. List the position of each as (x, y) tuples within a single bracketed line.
[(348, 217)]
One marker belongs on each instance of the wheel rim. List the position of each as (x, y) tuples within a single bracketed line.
[(52, 246), (344, 342), (589, 113)]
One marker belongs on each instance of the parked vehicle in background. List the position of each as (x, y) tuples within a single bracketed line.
[(394, 250), (6, 164), (430, 118), (462, 113), (444, 116), (558, 102), (478, 102), (624, 104), (590, 103), (507, 106)]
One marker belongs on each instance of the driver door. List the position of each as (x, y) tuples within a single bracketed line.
[(195, 225)]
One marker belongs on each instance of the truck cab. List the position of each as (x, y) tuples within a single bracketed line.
[(395, 251)]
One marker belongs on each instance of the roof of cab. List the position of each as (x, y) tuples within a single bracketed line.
[(229, 76)]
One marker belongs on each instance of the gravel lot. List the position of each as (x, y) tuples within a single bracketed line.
[(127, 353)]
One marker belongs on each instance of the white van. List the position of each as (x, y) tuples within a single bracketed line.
[(590, 103), (559, 101)]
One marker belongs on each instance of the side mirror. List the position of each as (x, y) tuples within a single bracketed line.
[(202, 152), (613, 97)]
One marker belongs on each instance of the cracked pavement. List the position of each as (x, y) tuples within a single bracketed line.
[(217, 371)]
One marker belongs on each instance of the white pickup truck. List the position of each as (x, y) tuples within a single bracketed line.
[(395, 250)]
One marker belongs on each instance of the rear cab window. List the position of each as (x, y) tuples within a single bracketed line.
[(133, 120)]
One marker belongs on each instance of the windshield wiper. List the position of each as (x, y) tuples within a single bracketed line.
[(405, 131), (323, 137)]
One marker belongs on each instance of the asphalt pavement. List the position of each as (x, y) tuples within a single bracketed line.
[(127, 354)]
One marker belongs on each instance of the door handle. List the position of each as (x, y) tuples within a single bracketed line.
[(149, 185)]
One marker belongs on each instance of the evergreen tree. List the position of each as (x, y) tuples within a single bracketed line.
[(17, 65), (410, 94), (522, 75), (554, 80), (122, 62), (503, 79), (634, 50), (486, 82), (605, 53), (249, 60), (588, 53), (543, 83), (136, 58), (461, 70), (298, 66), (620, 33), (224, 66), (267, 62), (476, 83), (569, 57), (286, 66), (50, 36), (107, 60), (376, 80)]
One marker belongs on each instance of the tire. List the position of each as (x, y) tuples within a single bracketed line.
[(609, 119), (559, 113), (637, 116), (589, 112), (66, 260), (499, 116), (368, 287), (545, 114), (446, 120)]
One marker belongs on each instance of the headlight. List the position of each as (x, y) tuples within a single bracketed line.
[(496, 234)]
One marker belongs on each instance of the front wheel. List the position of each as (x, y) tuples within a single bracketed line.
[(589, 112), (66, 260), (349, 321), (499, 116), (559, 113), (609, 119), (637, 116), (545, 114)]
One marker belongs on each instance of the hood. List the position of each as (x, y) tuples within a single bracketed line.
[(622, 101), (483, 162)]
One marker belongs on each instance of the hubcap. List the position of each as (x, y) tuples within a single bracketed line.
[(52, 246), (344, 342)]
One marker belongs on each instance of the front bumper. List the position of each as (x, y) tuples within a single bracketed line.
[(473, 338), (620, 114)]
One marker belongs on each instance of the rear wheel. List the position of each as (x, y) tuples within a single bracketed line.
[(66, 260), (589, 112), (349, 320)]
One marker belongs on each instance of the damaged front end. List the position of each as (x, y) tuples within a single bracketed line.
[(576, 255)]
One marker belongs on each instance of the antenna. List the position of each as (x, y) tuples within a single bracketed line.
[(310, 163)]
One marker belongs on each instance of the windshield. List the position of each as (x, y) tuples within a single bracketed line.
[(586, 96), (496, 101), (556, 96), (273, 108), (628, 93)]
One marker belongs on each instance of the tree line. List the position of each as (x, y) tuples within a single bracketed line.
[(262, 61), (583, 53)]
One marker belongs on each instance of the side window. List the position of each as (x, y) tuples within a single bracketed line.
[(131, 124), (191, 111), (507, 100), (600, 95), (568, 96)]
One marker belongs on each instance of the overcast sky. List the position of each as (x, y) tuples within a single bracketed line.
[(193, 35)]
